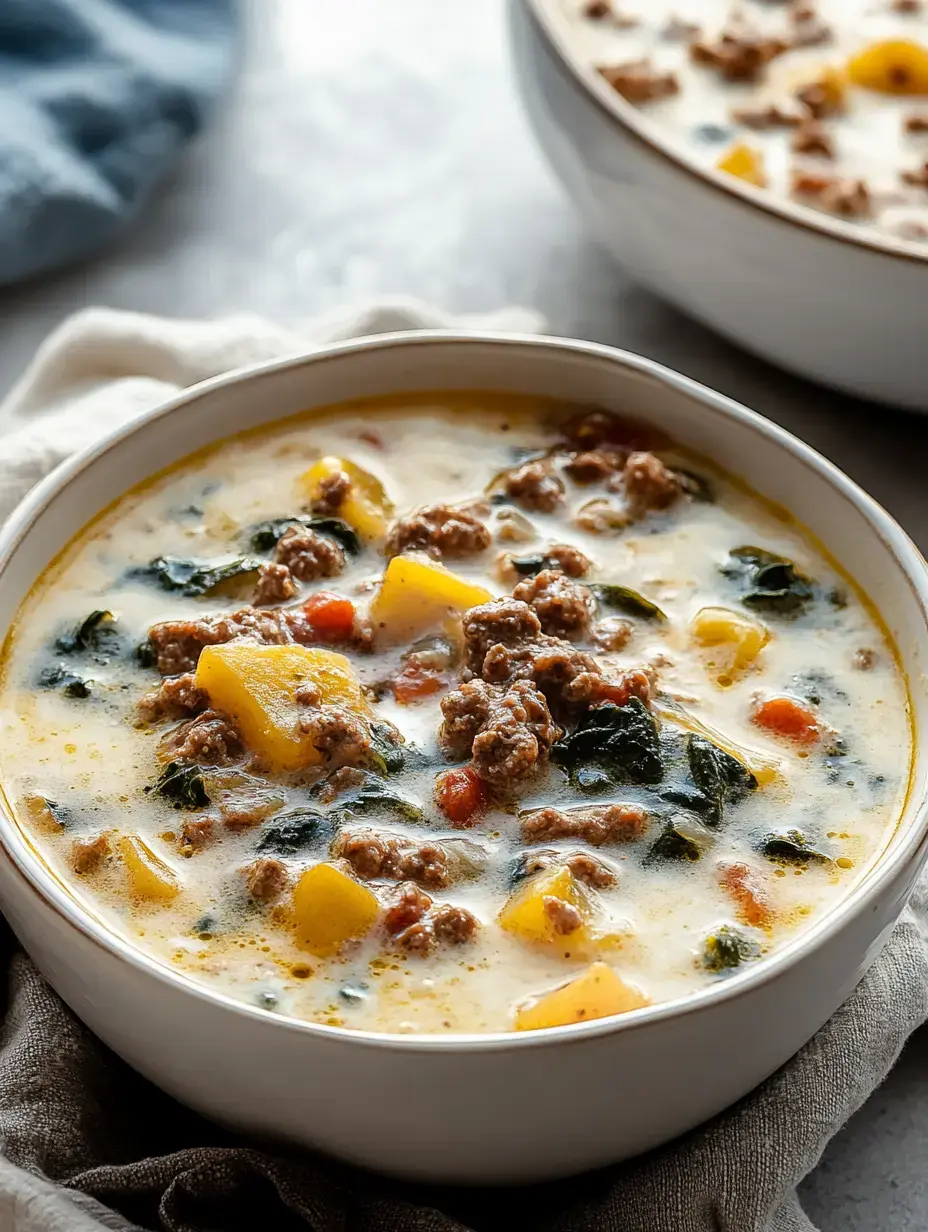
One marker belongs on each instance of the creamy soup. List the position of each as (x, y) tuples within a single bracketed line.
[(452, 713), (824, 102)]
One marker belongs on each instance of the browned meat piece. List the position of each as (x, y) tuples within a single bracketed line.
[(864, 660), (597, 10), (906, 6), (308, 555), (408, 907), (332, 494), (341, 737), (551, 664), (591, 688), (602, 517), (372, 856), (447, 925), (454, 925), (741, 53), (87, 854), (275, 584), (648, 484), (819, 100), (440, 530), (640, 81), (503, 622), (766, 115), (917, 122), (197, 832), (175, 697), (590, 430), (343, 779), (569, 560), (564, 917), (596, 824), (507, 729), (535, 486), (243, 812), (586, 868), (849, 198), (177, 643), (612, 633), (814, 139), (595, 465), (266, 879), (917, 178), (211, 739), (563, 608)]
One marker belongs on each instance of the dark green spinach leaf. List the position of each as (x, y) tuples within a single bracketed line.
[(622, 741), (387, 756), (294, 831), (727, 948), (792, 847), (682, 838), (721, 778), (97, 632), (60, 677), (769, 583), (624, 599), (264, 537), (193, 577), (182, 785)]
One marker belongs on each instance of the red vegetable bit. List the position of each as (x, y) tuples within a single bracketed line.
[(786, 717), (744, 887), (415, 682), (329, 617), (460, 794)]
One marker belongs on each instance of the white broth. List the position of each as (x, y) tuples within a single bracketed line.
[(641, 789)]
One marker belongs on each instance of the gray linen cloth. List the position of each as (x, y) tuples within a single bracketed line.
[(87, 1144)]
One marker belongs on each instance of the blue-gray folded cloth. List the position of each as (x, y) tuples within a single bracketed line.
[(96, 99)]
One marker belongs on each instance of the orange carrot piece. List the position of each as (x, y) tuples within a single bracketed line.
[(786, 717)]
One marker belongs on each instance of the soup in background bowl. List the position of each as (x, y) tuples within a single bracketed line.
[(458, 750)]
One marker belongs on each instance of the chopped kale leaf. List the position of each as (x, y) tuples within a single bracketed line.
[(727, 948), (264, 537), (624, 599), (529, 566), (721, 778), (294, 831), (181, 785), (60, 677), (792, 847), (193, 577), (682, 838), (144, 654), (96, 633), (769, 583), (621, 741), (386, 755)]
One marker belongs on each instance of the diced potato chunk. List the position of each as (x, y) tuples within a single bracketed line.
[(255, 685), (745, 163), (528, 915), (416, 595), (150, 878), (367, 507), (743, 637), (330, 908), (595, 993), (895, 66)]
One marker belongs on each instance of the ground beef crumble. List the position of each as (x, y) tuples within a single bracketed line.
[(503, 622), (440, 530), (407, 907), (266, 879), (177, 643), (275, 584), (507, 729), (612, 633), (87, 854), (309, 556), (534, 486), (813, 139), (175, 697), (569, 560), (563, 608), (740, 53), (446, 924), (373, 855), (640, 81), (596, 824), (847, 197), (585, 868), (648, 484), (196, 833), (211, 739), (343, 738), (595, 465), (564, 917), (332, 493)]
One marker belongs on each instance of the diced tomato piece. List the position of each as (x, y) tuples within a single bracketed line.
[(744, 887), (415, 682), (330, 617), (786, 717), (460, 794)]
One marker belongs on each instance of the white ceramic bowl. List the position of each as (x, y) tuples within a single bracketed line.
[(841, 305), (470, 1108)]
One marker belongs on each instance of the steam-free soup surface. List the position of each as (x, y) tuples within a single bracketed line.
[(452, 713)]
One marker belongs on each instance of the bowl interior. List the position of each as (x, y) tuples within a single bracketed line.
[(857, 532)]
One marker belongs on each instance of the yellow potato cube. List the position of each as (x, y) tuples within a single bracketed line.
[(149, 877), (330, 908), (367, 507), (744, 162), (255, 685), (744, 637), (528, 914), (595, 993), (895, 66), (416, 595)]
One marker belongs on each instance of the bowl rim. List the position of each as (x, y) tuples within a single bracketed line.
[(633, 122), (910, 844)]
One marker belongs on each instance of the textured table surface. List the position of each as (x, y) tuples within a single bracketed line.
[(376, 147)]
